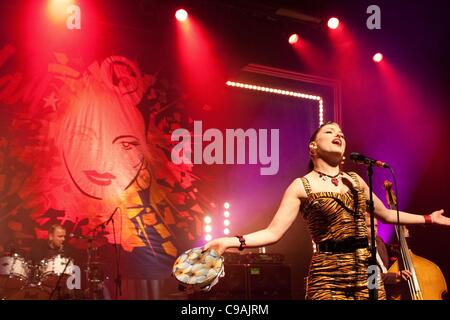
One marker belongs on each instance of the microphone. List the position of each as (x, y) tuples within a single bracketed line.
[(361, 159)]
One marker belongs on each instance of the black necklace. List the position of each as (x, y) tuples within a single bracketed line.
[(334, 179)]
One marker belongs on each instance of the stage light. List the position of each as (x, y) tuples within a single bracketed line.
[(226, 231), (208, 220), (377, 57), (300, 95), (57, 9), (226, 205), (293, 39), (226, 214), (226, 222), (208, 228), (181, 15), (208, 237), (333, 23), (320, 111)]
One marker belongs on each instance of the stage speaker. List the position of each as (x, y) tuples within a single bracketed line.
[(269, 282), (251, 282), (233, 286)]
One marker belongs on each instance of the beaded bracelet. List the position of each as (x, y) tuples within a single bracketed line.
[(242, 241)]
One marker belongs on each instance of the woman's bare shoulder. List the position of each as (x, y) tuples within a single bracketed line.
[(299, 187)]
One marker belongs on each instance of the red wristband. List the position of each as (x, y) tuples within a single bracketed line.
[(428, 219), (242, 241)]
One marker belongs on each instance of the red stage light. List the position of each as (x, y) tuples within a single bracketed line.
[(181, 15), (57, 9), (377, 57), (293, 38), (333, 23)]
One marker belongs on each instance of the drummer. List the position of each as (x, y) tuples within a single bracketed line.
[(54, 245)]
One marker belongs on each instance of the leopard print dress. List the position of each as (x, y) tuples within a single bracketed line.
[(337, 216)]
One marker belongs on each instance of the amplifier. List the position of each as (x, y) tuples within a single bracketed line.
[(252, 257), (260, 258), (251, 282), (269, 282)]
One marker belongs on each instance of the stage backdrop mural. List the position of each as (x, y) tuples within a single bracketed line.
[(88, 146), (85, 139)]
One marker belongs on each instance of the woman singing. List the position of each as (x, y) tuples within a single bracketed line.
[(333, 204)]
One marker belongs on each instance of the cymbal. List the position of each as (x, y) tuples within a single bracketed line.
[(87, 242)]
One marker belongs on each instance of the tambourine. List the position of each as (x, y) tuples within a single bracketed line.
[(198, 270)]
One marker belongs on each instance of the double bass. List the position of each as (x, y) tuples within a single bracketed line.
[(427, 281)]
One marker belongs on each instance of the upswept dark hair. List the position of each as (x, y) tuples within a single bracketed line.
[(314, 136)]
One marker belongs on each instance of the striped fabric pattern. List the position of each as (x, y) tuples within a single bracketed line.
[(337, 216)]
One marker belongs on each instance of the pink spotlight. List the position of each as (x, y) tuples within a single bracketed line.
[(181, 15), (293, 38), (333, 23), (377, 57)]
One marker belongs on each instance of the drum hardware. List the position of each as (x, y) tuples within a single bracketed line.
[(14, 271), (94, 272), (23, 280), (50, 270), (58, 282), (94, 275), (87, 242), (30, 292)]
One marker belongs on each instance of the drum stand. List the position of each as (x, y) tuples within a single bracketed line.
[(94, 282), (58, 286), (96, 286)]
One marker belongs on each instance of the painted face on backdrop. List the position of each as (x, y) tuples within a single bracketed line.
[(124, 77), (103, 142)]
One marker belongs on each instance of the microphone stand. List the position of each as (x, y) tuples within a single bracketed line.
[(118, 279), (373, 294), (57, 286)]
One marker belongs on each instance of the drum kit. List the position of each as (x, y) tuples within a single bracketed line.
[(22, 280)]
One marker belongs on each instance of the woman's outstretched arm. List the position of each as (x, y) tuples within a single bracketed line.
[(390, 216), (283, 219)]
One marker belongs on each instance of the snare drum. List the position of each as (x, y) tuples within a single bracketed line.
[(14, 271), (52, 269)]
